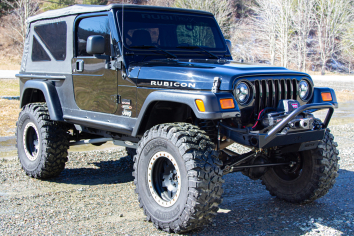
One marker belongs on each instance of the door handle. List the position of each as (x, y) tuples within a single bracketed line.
[(80, 65)]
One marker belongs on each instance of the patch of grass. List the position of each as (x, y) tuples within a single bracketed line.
[(345, 95), (9, 87), (9, 110), (5, 65)]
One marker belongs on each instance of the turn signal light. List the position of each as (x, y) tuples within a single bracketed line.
[(200, 105), (326, 97), (227, 103)]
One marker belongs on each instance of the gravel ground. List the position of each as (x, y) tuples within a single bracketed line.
[(94, 195)]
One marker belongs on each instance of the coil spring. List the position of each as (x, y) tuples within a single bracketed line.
[(210, 128)]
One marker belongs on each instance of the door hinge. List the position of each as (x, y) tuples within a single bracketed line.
[(216, 85), (117, 98)]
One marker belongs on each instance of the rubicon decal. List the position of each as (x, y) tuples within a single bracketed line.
[(126, 102), (172, 84)]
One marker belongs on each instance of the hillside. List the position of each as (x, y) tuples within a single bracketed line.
[(10, 52)]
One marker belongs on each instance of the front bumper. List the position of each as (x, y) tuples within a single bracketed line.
[(275, 136)]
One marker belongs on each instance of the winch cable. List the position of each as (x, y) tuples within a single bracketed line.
[(262, 112), (259, 115)]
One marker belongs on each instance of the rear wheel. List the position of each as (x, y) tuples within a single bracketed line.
[(42, 144), (311, 178), (178, 177)]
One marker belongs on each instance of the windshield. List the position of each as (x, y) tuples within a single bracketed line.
[(170, 30)]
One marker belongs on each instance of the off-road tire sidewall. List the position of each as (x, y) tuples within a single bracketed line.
[(27, 164), (319, 171), (160, 213), (52, 138), (199, 169), (297, 186)]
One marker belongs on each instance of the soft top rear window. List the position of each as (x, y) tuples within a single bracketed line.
[(171, 31)]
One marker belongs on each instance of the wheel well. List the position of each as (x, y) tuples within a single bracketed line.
[(32, 95), (165, 112)]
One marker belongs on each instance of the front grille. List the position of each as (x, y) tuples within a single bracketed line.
[(270, 92)]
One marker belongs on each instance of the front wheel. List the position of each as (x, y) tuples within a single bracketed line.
[(178, 177), (312, 177)]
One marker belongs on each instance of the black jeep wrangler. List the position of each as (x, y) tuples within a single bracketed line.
[(161, 82)]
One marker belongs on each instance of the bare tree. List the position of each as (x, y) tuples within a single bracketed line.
[(247, 46), (22, 9), (163, 3), (347, 46), (284, 29), (222, 10), (265, 21), (332, 17), (303, 21)]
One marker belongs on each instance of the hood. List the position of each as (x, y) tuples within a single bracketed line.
[(199, 75)]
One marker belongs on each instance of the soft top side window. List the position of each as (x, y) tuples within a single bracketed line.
[(96, 25), (38, 52), (53, 35), (49, 41)]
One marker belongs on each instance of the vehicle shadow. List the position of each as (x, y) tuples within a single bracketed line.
[(102, 172), (248, 209)]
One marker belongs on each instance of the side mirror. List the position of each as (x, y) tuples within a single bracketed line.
[(229, 44), (95, 44)]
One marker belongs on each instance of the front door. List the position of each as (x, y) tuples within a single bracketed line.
[(95, 87)]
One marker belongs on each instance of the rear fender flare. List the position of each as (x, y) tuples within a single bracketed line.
[(51, 97)]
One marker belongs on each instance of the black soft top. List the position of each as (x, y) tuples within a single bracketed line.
[(79, 9)]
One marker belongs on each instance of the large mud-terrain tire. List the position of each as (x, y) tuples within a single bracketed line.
[(131, 152), (314, 177), (178, 177), (42, 144)]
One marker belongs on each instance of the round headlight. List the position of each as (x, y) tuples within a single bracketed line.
[(304, 89), (242, 92)]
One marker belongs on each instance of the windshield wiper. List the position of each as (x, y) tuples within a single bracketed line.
[(153, 46), (193, 47)]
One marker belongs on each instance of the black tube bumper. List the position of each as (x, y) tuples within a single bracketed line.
[(273, 137)]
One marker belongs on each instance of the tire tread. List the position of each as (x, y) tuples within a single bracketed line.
[(203, 171), (55, 143), (325, 174)]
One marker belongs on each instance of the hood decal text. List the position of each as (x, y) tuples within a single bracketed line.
[(172, 84)]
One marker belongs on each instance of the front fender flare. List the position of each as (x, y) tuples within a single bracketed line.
[(51, 96), (213, 110), (317, 98)]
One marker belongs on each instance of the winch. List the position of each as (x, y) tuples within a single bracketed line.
[(271, 117)]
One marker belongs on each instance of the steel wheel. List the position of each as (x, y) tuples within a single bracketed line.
[(288, 173), (31, 141), (163, 177)]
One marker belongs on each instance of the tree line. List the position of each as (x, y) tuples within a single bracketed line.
[(301, 34), (298, 34)]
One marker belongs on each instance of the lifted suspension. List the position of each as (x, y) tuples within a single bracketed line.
[(234, 161)]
